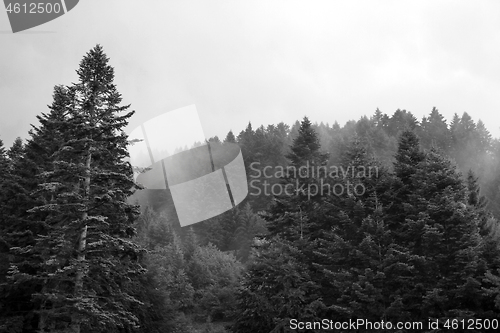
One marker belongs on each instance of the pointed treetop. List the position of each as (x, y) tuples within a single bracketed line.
[(230, 137), (3, 157), (377, 116), (408, 155), (306, 146), (94, 68), (16, 150)]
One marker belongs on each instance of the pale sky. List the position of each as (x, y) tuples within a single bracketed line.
[(264, 61)]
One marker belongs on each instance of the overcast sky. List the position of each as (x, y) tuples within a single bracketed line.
[(264, 61)]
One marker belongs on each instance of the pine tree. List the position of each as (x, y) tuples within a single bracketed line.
[(407, 160), (306, 147), (246, 141), (230, 137), (377, 117), (475, 198), (4, 246), (439, 191), (15, 152), (443, 235), (20, 227), (435, 132), (164, 289), (277, 288), (5, 171), (362, 271), (279, 270), (401, 121), (85, 262), (409, 154), (463, 133), (249, 226), (302, 186)]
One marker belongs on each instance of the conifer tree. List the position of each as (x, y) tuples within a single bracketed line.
[(377, 117), (407, 159), (5, 172), (301, 186), (249, 226), (277, 288), (22, 228), (85, 263), (4, 247), (435, 132), (409, 154), (246, 141), (230, 137), (306, 147), (15, 152), (280, 269)]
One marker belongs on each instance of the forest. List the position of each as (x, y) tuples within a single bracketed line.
[(388, 218)]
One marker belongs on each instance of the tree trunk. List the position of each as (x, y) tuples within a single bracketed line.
[(75, 320), (43, 316)]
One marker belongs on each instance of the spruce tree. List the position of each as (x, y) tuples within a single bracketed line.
[(5, 172), (86, 266), (4, 246), (438, 221), (409, 154), (448, 238), (306, 147), (15, 152), (407, 159), (250, 225), (301, 186), (20, 228), (230, 137), (246, 141), (362, 271), (277, 288), (435, 132)]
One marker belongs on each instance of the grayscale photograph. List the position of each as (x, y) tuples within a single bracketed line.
[(249, 166)]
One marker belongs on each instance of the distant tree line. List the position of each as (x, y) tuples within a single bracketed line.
[(418, 244)]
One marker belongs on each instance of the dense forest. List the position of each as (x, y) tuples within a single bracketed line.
[(387, 218)]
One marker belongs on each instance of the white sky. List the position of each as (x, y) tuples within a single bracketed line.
[(264, 61)]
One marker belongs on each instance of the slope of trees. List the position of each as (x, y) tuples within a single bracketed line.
[(405, 228), (412, 247)]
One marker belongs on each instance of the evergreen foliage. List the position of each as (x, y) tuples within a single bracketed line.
[(81, 260), (420, 241)]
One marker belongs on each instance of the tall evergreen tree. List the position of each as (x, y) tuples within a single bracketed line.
[(277, 288), (435, 132), (408, 156), (306, 147), (450, 241), (249, 226), (301, 185), (4, 247), (22, 228), (85, 264), (407, 160)]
